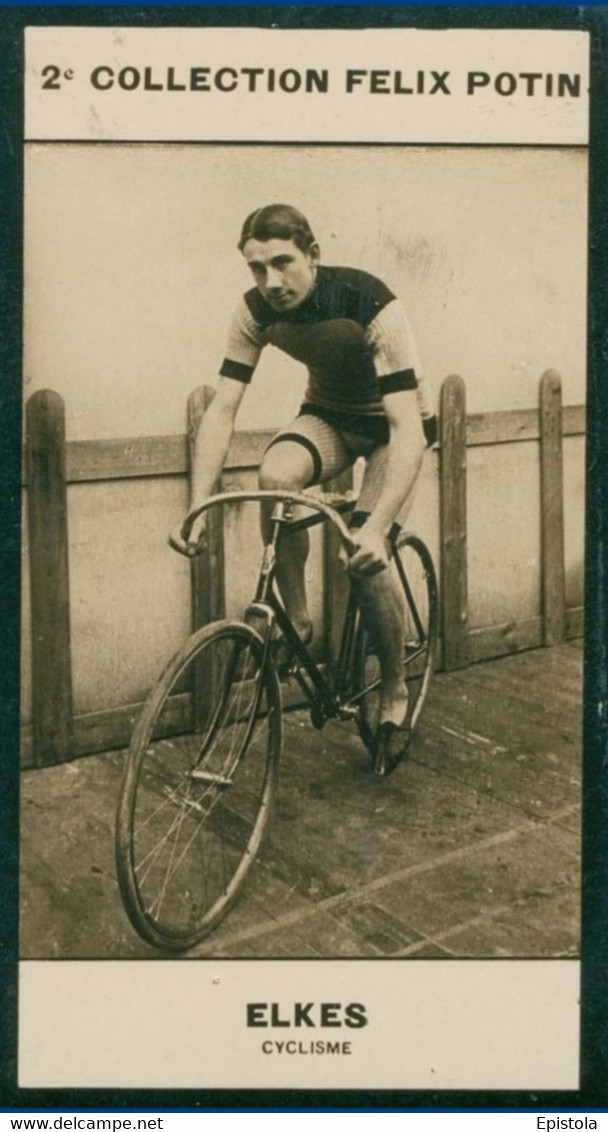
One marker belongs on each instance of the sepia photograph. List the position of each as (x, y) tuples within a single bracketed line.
[(305, 375), (472, 846)]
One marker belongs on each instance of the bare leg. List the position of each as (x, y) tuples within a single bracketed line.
[(383, 606), (288, 466)]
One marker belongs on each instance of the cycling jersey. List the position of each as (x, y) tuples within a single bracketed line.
[(351, 333)]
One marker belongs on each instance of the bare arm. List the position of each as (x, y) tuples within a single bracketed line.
[(404, 458), (211, 444), (213, 438)]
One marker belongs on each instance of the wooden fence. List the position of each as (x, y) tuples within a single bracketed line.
[(51, 464)]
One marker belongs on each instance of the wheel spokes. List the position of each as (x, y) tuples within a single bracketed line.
[(201, 798)]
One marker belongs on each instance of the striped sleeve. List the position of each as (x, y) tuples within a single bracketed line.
[(244, 345), (395, 356)]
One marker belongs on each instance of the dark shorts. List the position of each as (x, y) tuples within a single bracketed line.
[(334, 440)]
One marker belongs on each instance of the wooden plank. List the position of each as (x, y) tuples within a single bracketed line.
[(111, 729), (131, 458), (106, 730), (247, 448), (553, 573), (502, 427), (49, 578), (453, 523), (574, 622), (538, 686), (88, 461), (491, 641), (512, 425), (574, 420)]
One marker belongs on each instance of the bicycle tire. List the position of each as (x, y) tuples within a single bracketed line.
[(416, 572), (198, 786)]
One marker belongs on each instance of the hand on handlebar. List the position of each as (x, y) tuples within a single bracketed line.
[(190, 542), (371, 553), (190, 538)]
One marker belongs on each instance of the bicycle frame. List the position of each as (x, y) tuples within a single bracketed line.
[(326, 700)]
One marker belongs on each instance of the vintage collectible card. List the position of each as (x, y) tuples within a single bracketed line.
[(421, 318)]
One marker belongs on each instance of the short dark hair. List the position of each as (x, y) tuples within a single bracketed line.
[(277, 222)]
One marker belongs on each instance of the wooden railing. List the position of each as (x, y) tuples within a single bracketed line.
[(51, 464), (548, 425)]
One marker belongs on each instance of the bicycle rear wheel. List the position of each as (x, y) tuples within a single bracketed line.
[(414, 568), (198, 785)]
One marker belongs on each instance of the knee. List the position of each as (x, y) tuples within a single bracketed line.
[(270, 478), (280, 471)]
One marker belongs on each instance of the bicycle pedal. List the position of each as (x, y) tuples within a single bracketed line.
[(211, 779), (391, 747)]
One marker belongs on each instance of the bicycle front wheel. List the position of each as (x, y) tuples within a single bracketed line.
[(415, 574), (198, 785)]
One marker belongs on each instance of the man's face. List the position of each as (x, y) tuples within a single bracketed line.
[(283, 274)]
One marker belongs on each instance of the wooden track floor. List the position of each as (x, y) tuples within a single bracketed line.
[(471, 849)]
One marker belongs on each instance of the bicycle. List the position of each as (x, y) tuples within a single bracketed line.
[(202, 766)]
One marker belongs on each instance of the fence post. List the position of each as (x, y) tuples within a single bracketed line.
[(49, 578), (553, 573), (453, 512), (207, 572), (208, 587)]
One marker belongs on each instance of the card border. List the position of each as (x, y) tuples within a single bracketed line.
[(593, 1090)]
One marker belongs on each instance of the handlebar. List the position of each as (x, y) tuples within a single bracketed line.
[(328, 504)]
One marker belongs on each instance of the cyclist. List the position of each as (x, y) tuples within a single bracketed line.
[(366, 396)]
